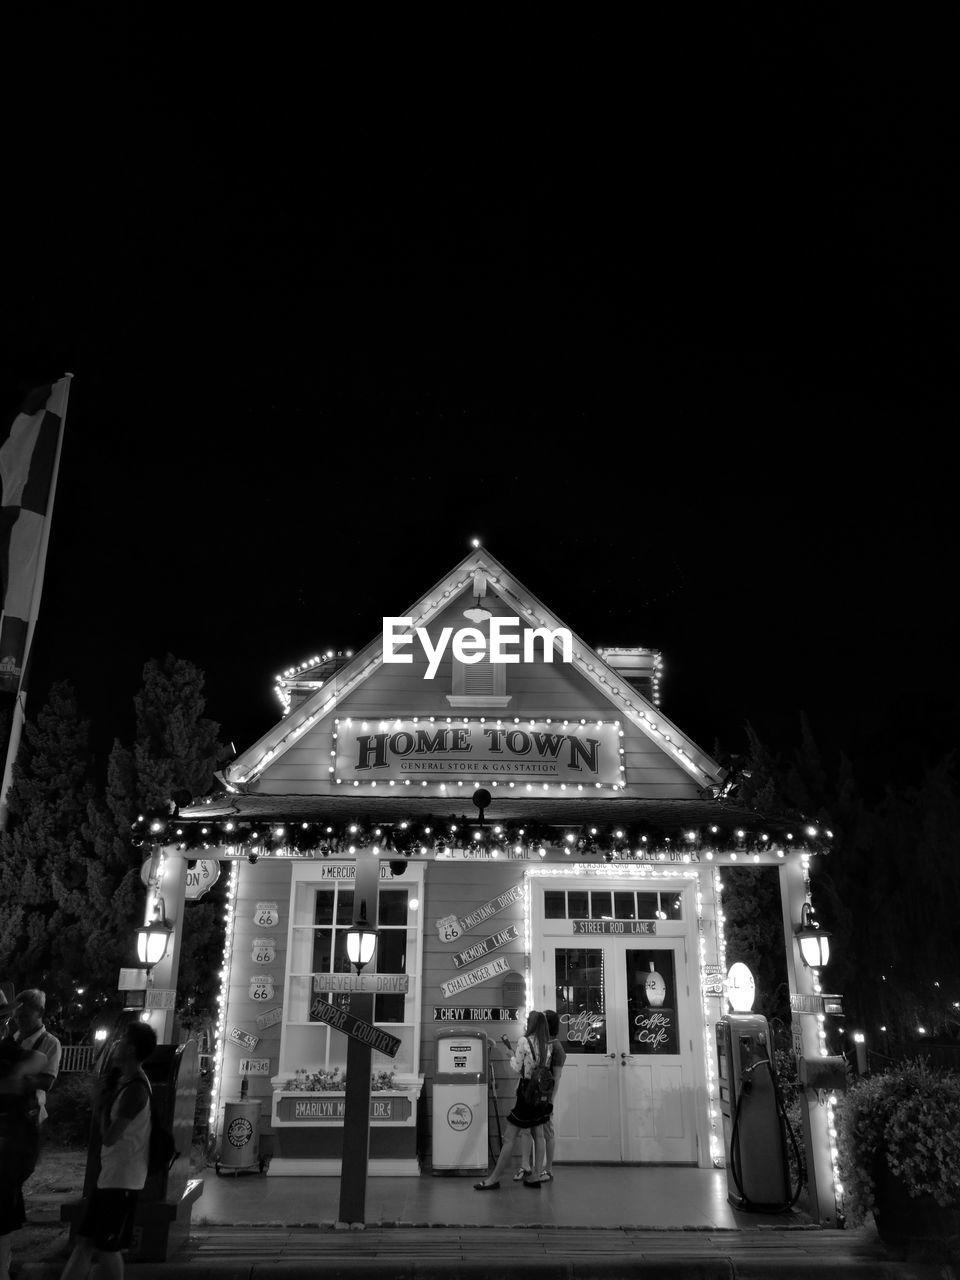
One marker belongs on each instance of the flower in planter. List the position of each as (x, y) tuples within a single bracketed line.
[(909, 1118), (333, 1081)]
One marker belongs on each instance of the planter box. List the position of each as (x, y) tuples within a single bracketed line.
[(308, 1132), (915, 1225)]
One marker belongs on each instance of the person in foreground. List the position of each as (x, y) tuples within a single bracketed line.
[(558, 1055), (124, 1115), (19, 1133), (532, 1048)]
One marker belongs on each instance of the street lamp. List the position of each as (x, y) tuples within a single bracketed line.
[(152, 939), (814, 941), (361, 939)]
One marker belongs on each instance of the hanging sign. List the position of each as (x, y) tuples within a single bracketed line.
[(614, 926), (493, 943), (261, 987), (356, 1028), (474, 1013), (535, 751), (712, 979), (203, 875), (266, 914), (254, 1067), (243, 1038), (473, 977), (160, 998), (368, 983), (451, 927), (348, 870), (291, 1109)]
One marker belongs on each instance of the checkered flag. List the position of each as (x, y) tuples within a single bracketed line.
[(28, 469)]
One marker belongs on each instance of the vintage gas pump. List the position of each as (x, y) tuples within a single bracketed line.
[(754, 1123)]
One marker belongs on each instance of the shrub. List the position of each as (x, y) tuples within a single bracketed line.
[(909, 1116), (70, 1110)]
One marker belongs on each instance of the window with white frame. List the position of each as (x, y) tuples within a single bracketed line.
[(321, 914)]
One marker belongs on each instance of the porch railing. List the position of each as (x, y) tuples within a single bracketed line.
[(77, 1057)]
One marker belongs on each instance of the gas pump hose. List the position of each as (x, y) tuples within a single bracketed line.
[(735, 1163)]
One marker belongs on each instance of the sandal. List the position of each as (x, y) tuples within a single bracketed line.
[(521, 1174), (486, 1186)]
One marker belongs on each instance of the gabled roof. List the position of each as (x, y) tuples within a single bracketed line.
[(630, 704)]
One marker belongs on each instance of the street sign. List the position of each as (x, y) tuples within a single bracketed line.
[(161, 998), (356, 1028), (816, 1004), (363, 983), (132, 980)]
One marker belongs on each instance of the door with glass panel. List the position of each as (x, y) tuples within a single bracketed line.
[(621, 991)]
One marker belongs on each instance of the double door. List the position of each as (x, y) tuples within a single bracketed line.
[(627, 1024)]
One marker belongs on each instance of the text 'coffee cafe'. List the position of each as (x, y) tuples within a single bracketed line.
[(544, 837)]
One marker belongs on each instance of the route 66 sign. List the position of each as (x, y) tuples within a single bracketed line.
[(266, 914), (264, 951), (448, 929), (261, 987)]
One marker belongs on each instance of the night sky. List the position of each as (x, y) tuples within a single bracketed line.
[(667, 318)]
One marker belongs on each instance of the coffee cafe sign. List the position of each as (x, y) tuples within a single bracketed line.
[(532, 751)]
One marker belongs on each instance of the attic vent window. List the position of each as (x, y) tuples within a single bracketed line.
[(479, 684)]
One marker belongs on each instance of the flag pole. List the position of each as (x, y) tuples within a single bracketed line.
[(57, 401)]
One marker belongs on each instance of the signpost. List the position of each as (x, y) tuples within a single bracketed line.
[(367, 1034), (356, 1110)]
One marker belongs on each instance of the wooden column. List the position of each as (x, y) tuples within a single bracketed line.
[(172, 888), (816, 1136)]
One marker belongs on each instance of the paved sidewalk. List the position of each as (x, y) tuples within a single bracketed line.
[(462, 1253), (592, 1221)]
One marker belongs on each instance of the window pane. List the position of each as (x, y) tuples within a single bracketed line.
[(323, 909), (652, 1002), (322, 942), (345, 906), (624, 906), (601, 905), (648, 904), (579, 1000), (554, 904), (391, 953), (392, 906), (388, 1008), (672, 904), (577, 905)]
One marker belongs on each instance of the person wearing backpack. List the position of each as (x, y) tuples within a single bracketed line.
[(557, 1057), (124, 1114), (532, 1107)]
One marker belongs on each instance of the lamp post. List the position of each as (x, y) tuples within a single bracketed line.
[(361, 943)]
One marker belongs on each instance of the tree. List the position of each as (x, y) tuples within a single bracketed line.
[(175, 754), (49, 885)]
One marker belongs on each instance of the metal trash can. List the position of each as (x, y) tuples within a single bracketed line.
[(460, 1103), (240, 1148)]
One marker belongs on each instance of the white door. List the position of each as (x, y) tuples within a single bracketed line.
[(587, 1108), (626, 1022), (655, 1024)]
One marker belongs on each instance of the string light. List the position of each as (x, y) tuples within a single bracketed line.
[(229, 917)]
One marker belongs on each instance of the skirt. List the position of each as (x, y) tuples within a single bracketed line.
[(525, 1116)]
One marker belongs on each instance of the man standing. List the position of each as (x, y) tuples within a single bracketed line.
[(18, 1132), (31, 1034), (124, 1116)]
